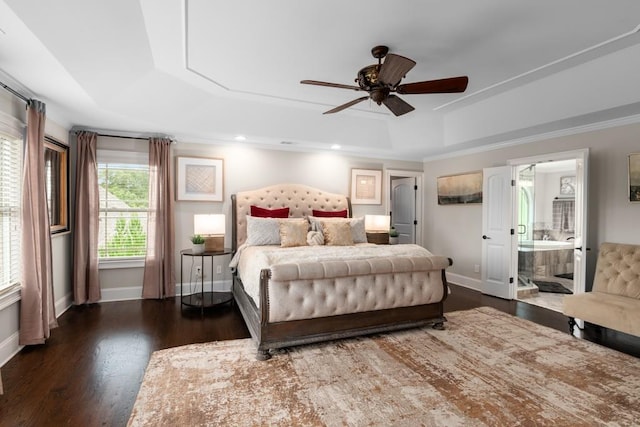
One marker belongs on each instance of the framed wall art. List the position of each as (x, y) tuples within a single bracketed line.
[(463, 188), (568, 186), (366, 187), (634, 177), (199, 179)]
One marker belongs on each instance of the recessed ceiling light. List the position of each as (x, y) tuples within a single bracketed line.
[(336, 147), (240, 138)]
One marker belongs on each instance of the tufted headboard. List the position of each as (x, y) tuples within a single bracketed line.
[(300, 199)]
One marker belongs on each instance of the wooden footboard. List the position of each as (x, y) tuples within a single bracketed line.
[(273, 335)]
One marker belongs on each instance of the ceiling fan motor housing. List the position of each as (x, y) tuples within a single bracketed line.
[(379, 94), (368, 77)]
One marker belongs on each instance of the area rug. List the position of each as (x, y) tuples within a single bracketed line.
[(551, 287), (487, 368), (565, 276)]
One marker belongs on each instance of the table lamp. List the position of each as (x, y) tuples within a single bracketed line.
[(212, 228)]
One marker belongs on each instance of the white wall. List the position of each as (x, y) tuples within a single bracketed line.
[(455, 230)]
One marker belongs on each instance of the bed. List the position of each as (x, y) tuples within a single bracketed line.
[(292, 293)]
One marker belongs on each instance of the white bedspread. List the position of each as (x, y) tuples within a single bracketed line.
[(252, 259)]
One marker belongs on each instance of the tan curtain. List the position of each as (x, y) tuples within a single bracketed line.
[(86, 284), (159, 277), (37, 312)]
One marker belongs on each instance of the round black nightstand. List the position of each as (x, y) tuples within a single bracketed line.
[(203, 299)]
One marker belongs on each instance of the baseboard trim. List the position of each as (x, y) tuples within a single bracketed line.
[(467, 282), (135, 292), (9, 347), (63, 304)]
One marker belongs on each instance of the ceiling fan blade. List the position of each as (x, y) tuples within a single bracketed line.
[(395, 67), (338, 85), (449, 85), (347, 105), (397, 105)]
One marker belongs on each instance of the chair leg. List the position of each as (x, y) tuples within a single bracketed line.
[(572, 324)]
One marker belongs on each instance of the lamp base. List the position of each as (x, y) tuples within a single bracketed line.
[(378, 237), (213, 243)]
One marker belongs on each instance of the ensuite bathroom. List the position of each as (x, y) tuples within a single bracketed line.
[(546, 227)]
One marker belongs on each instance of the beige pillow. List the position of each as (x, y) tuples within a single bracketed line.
[(293, 233), (337, 233), (358, 233)]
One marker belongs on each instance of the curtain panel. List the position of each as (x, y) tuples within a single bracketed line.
[(159, 269), (86, 283), (37, 311)]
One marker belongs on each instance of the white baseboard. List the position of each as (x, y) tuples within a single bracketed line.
[(63, 304), (135, 292), (216, 286), (9, 348), (467, 282)]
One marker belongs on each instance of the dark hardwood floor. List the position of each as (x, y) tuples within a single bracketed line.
[(90, 370)]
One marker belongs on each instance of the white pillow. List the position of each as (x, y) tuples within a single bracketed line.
[(262, 231), (358, 233)]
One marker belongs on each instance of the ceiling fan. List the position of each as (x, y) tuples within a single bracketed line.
[(381, 80)]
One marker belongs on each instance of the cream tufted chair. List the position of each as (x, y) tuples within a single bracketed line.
[(615, 300)]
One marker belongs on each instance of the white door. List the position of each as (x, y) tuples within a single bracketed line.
[(580, 242), (497, 237), (403, 208)]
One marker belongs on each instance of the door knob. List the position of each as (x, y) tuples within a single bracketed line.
[(484, 236)]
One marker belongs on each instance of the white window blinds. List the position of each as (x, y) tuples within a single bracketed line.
[(123, 179), (10, 191)]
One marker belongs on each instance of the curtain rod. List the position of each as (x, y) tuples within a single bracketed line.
[(15, 93), (141, 138)]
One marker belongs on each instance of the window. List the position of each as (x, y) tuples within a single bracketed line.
[(10, 201), (123, 179), (56, 184)]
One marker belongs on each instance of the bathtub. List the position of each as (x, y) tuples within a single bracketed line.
[(544, 245)]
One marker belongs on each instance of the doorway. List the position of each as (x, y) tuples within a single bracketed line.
[(513, 225), (404, 203), (545, 218)]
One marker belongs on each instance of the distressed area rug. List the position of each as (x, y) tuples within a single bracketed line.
[(487, 368)]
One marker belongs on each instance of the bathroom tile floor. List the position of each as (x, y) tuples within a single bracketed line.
[(547, 300)]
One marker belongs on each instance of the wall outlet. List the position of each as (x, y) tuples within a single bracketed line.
[(219, 269), (198, 272), (476, 268)]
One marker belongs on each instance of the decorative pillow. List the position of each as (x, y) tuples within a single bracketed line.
[(257, 211), (263, 231), (330, 214), (337, 233), (358, 233), (293, 233), (315, 238)]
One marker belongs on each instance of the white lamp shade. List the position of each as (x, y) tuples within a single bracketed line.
[(207, 225), (378, 223)]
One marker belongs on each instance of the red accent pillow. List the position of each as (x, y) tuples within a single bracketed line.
[(330, 214), (269, 213)]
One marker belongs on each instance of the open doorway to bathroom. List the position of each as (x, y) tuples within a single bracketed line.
[(546, 217)]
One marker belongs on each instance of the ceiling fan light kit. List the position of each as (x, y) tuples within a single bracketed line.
[(382, 79)]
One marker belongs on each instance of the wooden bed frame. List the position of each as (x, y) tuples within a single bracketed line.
[(273, 335)]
